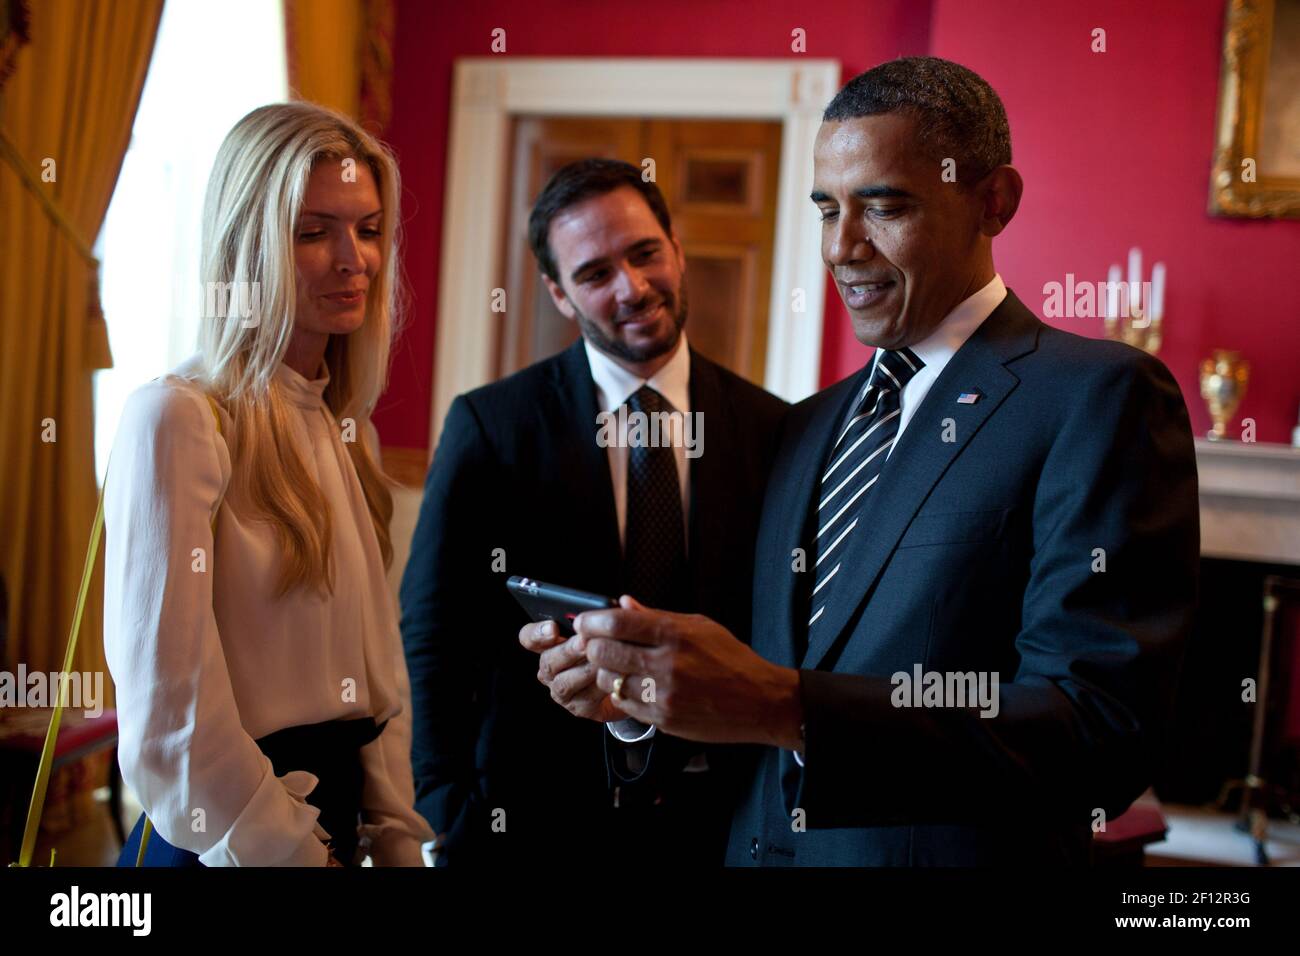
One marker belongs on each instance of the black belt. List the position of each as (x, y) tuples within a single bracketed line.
[(332, 752)]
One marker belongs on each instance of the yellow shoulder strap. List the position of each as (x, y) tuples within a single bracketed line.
[(37, 804)]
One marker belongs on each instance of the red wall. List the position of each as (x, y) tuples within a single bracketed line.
[(431, 35), (1115, 150)]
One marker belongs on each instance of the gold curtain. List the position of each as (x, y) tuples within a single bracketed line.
[(67, 113), (324, 39), (340, 55)]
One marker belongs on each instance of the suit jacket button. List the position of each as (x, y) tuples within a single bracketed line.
[(753, 848)]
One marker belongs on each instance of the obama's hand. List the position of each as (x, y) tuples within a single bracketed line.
[(691, 677), (564, 669)]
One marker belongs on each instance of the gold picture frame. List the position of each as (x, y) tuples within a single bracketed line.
[(1256, 171)]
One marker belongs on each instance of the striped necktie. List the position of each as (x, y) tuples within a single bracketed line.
[(855, 462)]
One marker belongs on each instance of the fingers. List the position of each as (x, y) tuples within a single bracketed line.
[(629, 622), (630, 700), (540, 636), (575, 690), (560, 658), (617, 656), (565, 671), (594, 704), (568, 683)]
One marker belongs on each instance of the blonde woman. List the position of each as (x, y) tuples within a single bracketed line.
[(262, 692)]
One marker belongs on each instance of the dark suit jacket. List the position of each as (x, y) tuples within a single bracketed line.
[(519, 486), (977, 555)]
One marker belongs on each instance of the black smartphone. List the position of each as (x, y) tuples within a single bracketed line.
[(550, 602)]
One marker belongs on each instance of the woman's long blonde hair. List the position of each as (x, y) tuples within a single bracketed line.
[(250, 216)]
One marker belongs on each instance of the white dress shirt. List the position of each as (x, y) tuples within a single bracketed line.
[(205, 657), (936, 350), (614, 386), (939, 347)]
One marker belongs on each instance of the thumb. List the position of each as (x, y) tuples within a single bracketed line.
[(629, 603)]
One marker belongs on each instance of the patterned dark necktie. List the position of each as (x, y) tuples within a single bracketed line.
[(855, 462), (654, 536)]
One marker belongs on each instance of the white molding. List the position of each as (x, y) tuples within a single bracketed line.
[(488, 90), (1250, 500)]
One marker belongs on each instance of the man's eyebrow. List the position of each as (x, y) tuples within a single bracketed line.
[(326, 215), (583, 267), (644, 243), (867, 192), (639, 244)]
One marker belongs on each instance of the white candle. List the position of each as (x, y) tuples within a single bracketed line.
[(1134, 265), (1134, 279), (1113, 279), (1158, 291)]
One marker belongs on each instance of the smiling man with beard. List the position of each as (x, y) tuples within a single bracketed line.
[(521, 485)]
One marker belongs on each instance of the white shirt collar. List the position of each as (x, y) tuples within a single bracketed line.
[(304, 392), (615, 384), (960, 324)]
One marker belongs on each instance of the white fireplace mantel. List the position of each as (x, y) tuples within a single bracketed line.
[(1250, 500)]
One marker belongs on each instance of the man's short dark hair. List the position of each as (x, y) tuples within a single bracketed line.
[(580, 181), (957, 113)]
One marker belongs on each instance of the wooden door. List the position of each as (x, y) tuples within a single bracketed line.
[(719, 178)]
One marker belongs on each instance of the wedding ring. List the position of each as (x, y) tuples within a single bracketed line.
[(617, 693)]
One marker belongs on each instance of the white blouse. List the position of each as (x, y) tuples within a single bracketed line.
[(206, 659)]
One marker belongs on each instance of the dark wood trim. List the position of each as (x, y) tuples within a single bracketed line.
[(406, 466)]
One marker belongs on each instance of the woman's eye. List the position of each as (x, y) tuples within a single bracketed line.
[(310, 235)]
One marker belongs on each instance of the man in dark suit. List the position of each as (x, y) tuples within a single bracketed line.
[(534, 477), (972, 658)]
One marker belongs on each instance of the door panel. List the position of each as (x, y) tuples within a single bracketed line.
[(532, 327)]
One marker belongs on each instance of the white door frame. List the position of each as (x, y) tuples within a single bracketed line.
[(488, 90)]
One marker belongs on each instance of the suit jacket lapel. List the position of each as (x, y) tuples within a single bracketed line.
[(596, 535), (920, 458), (792, 490), (709, 501)]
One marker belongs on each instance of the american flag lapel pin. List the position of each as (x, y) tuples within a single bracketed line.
[(969, 398)]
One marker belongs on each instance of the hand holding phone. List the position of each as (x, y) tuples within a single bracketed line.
[(562, 667)]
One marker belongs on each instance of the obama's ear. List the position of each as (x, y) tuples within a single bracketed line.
[(999, 195), (559, 297)]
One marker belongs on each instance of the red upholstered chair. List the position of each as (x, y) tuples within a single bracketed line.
[(22, 735)]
